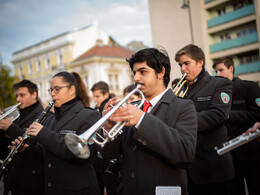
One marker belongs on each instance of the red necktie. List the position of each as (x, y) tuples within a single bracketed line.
[(146, 106)]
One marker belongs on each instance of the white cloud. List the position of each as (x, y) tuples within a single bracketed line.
[(27, 22)]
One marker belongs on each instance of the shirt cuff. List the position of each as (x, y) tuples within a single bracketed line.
[(140, 120)]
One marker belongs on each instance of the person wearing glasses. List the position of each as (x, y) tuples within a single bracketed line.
[(64, 172), (25, 173)]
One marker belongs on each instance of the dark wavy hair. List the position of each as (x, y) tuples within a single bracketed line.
[(29, 84), (155, 59)]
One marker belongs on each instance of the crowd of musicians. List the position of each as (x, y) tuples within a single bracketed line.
[(168, 146)]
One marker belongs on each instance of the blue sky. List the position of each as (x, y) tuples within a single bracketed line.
[(26, 22)]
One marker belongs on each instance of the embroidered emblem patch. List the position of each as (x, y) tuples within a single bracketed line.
[(91, 141), (225, 97), (257, 101)]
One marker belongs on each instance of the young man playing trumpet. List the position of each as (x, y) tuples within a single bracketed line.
[(209, 173), (25, 174), (158, 143)]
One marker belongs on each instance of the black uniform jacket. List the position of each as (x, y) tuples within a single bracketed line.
[(157, 153), (212, 99), (245, 111), (25, 173), (64, 172)]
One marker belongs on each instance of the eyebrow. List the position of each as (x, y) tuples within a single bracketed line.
[(142, 68)]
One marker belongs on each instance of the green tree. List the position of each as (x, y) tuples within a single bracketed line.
[(7, 96)]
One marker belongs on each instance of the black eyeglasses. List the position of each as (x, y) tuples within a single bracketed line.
[(56, 89)]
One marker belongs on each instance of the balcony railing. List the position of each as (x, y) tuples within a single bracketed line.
[(247, 68), (240, 41), (207, 1), (242, 12)]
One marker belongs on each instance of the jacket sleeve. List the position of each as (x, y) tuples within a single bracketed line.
[(14, 131), (173, 141), (55, 142), (252, 112), (218, 110)]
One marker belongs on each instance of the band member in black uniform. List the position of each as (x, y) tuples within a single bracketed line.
[(245, 111), (158, 143), (107, 171), (64, 172), (25, 174), (209, 173)]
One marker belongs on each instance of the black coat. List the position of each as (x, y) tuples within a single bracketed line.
[(245, 111), (157, 153), (64, 172), (208, 94), (25, 175)]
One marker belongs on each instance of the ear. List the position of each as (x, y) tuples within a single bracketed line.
[(231, 68), (161, 74), (106, 95), (201, 63), (34, 95), (72, 91)]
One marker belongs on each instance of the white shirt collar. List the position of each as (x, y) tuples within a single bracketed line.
[(156, 99)]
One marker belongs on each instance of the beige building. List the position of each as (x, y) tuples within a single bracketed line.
[(220, 27), (41, 61), (105, 63)]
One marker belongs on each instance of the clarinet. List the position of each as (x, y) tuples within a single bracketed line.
[(25, 137)]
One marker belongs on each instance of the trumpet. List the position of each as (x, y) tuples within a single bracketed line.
[(13, 112), (238, 141), (182, 83), (25, 137), (78, 144)]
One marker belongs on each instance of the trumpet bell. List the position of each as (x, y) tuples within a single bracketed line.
[(77, 145), (13, 112)]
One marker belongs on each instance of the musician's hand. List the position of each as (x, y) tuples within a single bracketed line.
[(34, 129), (17, 142), (253, 129), (109, 105), (5, 123), (131, 114)]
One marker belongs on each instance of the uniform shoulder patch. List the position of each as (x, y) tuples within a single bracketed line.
[(257, 101), (91, 140), (225, 97)]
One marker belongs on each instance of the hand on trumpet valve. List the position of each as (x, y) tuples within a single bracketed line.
[(129, 114), (17, 142), (5, 123)]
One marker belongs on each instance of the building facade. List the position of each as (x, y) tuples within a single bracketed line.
[(220, 27), (105, 63), (41, 61)]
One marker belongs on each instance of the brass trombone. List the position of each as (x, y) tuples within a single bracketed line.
[(178, 89), (78, 144), (13, 112)]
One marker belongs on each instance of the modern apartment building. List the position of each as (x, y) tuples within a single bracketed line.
[(220, 27), (41, 61)]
